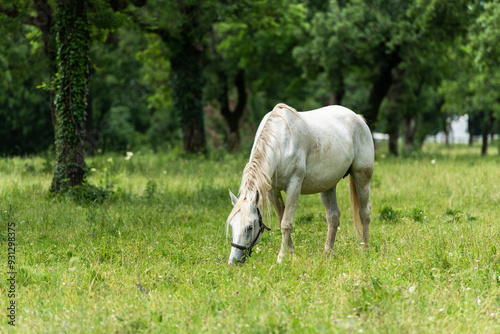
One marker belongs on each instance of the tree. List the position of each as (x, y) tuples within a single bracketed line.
[(250, 51), (475, 89), (183, 26), (483, 38), (360, 45), (71, 86), (319, 53)]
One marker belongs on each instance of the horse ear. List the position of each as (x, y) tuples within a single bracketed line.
[(257, 197), (234, 199)]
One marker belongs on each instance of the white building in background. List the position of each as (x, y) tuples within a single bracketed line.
[(380, 136), (458, 135), (459, 132)]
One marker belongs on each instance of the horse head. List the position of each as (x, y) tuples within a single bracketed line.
[(246, 225)]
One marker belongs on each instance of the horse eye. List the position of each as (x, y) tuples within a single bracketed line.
[(250, 227)]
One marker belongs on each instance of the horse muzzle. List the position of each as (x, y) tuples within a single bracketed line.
[(237, 257)]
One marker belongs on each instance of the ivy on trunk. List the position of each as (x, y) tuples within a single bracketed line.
[(71, 87)]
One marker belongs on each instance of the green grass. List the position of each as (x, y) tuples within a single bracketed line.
[(153, 256)]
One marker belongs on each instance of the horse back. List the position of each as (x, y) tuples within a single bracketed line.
[(324, 144)]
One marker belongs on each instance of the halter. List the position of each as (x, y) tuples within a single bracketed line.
[(262, 227)]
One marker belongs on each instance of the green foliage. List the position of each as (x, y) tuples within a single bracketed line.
[(163, 123), (475, 89), (86, 194), (150, 190), (157, 66), (456, 215), (25, 122), (484, 36), (388, 214)]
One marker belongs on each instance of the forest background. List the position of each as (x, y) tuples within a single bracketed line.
[(199, 75)]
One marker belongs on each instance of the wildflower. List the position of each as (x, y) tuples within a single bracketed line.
[(129, 155), (433, 161)]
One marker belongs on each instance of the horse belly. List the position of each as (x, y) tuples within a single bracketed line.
[(325, 167), (321, 181)]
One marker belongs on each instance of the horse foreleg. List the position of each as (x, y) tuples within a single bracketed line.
[(278, 204), (329, 200), (292, 199)]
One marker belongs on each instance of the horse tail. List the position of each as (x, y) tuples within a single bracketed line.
[(355, 208)]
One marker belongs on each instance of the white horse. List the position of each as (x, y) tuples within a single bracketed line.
[(302, 153)]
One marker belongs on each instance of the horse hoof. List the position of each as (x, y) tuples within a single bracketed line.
[(281, 256)]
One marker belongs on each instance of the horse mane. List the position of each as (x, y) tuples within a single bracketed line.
[(256, 177)]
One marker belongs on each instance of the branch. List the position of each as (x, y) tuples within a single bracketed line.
[(163, 33)]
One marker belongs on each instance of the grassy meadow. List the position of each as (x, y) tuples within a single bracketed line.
[(151, 257)]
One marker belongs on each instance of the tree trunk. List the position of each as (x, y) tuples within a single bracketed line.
[(233, 117), (488, 122), (393, 118), (484, 146), (187, 63), (187, 85), (380, 87), (335, 98), (337, 84), (471, 137), (409, 134), (472, 130), (447, 136), (187, 95), (393, 133), (71, 86)]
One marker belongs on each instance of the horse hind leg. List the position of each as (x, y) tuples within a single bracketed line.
[(329, 200), (361, 179)]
